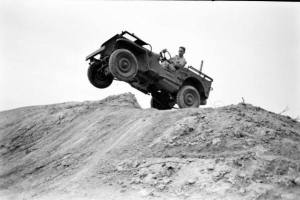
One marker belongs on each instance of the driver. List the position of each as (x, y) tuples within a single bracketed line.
[(176, 62)]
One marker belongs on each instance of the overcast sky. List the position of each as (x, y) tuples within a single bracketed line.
[(251, 49)]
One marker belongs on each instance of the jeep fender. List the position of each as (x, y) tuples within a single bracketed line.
[(131, 46)]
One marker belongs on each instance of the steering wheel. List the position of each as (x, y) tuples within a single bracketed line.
[(163, 56)]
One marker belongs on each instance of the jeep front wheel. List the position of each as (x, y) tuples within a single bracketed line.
[(98, 78), (188, 97), (123, 65)]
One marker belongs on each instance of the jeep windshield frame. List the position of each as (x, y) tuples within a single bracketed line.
[(196, 71)]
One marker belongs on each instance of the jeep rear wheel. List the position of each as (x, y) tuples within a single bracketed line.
[(98, 78), (123, 65), (188, 97), (159, 105)]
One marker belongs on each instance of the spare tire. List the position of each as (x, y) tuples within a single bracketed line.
[(123, 65)]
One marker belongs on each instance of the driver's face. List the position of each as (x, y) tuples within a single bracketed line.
[(180, 52)]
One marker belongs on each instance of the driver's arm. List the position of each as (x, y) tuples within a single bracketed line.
[(162, 55), (162, 51)]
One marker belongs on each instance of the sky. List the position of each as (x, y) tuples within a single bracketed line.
[(251, 49)]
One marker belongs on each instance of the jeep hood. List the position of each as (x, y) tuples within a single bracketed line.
[(95, 52)]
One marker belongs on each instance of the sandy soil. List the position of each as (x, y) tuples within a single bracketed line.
[(113, 149)]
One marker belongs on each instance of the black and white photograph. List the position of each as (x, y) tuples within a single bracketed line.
[(149, 100)]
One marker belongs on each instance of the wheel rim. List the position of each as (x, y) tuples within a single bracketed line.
[(100, 77), (124, 65), (189, 98)]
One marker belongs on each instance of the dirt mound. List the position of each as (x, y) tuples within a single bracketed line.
[(113, 149)]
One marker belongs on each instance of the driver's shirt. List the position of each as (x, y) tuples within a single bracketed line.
[(178, 61)]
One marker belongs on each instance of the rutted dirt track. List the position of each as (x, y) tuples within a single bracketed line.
[(113, 149)]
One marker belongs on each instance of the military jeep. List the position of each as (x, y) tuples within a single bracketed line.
[(126, 57)]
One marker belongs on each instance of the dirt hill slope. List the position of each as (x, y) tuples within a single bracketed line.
[(113, 149)]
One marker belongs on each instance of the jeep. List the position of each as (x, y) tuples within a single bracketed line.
[(126, 57)]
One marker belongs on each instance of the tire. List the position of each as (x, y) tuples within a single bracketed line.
[(123, 65), (97, 78), (188, 97), (158, 105)]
